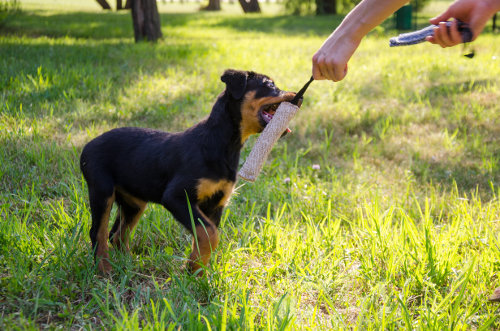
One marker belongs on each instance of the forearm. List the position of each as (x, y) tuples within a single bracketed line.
[(367, 15), (494, 5)]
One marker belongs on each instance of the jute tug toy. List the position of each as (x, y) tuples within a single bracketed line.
[(271, 133)]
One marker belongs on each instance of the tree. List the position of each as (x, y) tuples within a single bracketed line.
[(8, 8), (326, 7), (212, 5), (104, 4), (128, 4), (250, 6), (145, 17), (320, 7), (146, 20)]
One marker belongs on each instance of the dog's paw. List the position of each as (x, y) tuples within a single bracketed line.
[(104, 267), (495, 297), (194, 268)]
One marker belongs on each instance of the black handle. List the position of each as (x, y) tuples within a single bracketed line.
[(465, 31), (300, 94)]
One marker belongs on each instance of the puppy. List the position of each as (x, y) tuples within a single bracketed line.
[(191, 173)]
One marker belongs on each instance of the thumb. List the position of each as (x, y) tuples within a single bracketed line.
[(441, 18)]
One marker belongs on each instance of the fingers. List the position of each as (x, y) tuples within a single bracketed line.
[(446, 36), (455, 36), (441, 18), (442, 36), (325, 67)]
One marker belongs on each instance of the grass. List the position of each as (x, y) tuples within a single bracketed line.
[(398, 228)]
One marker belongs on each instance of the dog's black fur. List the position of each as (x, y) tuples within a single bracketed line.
[(133, 166)]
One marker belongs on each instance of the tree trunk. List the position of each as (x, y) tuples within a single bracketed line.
[(119, 4), (325, 7), (250, 6), (146, 20), (212, 5), (104, 4)]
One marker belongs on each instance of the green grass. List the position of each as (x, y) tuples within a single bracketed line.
[(399, 228)]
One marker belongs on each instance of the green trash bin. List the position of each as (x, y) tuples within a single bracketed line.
[(403, 18)]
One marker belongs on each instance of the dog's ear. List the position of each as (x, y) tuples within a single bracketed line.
[(236, 82)]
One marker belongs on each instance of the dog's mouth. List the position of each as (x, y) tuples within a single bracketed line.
[(267, 112)]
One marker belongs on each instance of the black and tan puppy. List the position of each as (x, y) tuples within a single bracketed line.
[(193, 169)]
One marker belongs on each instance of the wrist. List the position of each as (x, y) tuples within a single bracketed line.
[(351, 31), (492, 5)]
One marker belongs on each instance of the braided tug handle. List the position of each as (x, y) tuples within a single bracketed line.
[(416, 37)]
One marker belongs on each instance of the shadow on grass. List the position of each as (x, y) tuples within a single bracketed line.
[(65, 75), (285, 24), (446, 90), (50, 76), (478, 166), (466, 176), (35, 164), (113, 25), (86, 25)]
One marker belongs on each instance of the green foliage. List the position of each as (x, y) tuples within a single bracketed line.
[(344, 6), (308, 7), (419, 5), (8, 8), (379, 211), (300, 7)]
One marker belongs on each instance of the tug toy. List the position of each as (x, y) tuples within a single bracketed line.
[(272, 132), (419, 36)]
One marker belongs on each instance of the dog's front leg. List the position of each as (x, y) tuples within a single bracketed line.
[(205, 233)]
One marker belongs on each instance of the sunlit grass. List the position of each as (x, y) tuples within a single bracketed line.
[(379, 211)]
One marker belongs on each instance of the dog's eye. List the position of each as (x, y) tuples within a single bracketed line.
[(270, 84)]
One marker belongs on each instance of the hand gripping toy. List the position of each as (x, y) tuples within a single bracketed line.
[(271, 133), (419, 36)]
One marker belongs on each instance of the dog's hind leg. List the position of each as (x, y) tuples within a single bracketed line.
[(129, 212), (101, 201)]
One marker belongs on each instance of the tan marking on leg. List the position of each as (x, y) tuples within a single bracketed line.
[(205, 242), (125, 231), (127, 223), (102, 238), (117, 235), (208, 187)]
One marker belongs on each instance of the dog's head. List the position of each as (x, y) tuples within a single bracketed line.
[(257, 98)]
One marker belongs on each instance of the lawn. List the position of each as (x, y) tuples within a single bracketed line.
[(380, 211)]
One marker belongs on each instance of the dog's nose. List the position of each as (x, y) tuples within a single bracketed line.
[(289, 96)]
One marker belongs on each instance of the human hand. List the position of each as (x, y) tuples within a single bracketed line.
[(475, 13), (330, 61)]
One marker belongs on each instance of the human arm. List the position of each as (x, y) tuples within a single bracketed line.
[(475, 13), (330, 61)]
